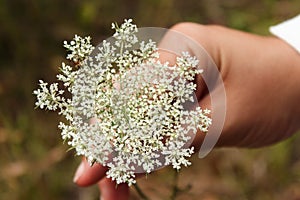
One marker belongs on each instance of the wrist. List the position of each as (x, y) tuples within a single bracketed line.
[(288, 32)]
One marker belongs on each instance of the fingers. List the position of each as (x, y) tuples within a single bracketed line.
[(111, 191), (170, 47), (87, 175), (203, 42)]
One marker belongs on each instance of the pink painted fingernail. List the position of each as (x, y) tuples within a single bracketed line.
[(79, 172)]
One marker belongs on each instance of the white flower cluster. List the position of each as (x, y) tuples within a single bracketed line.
[(79, 48), (128, 111)]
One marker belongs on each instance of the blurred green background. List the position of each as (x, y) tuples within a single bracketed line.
[(34, 163)]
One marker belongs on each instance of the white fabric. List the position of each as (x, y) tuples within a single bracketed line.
[(289, 31)]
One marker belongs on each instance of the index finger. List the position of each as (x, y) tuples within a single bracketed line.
[(88, 175)]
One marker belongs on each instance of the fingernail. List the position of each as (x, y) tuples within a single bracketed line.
[(79, 172)]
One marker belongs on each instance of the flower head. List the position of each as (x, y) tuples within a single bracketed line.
[(128, 111)]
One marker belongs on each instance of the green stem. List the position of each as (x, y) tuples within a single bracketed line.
[(175, 188), (140, 192)]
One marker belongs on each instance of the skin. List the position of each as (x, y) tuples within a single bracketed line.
[(261, 79)]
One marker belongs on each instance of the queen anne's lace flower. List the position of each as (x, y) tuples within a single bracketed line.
[(128, 111)]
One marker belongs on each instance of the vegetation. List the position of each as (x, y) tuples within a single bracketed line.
[(35, 165)]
